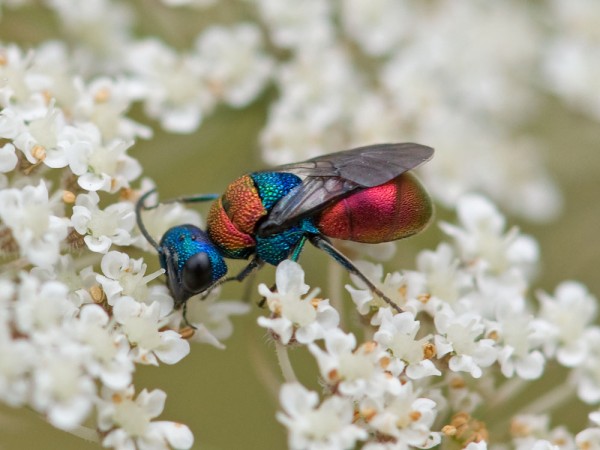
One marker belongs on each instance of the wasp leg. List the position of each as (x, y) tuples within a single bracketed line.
[(248, 287), (325, 245), (295, 254), (248, 272), (185, 320), (252, 267)]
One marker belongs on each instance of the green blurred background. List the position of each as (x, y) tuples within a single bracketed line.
[(228, 398)]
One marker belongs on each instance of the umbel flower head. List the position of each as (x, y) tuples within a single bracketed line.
[(463, 363), (424, 377)]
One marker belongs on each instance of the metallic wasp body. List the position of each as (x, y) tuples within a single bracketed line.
[(364, 195)]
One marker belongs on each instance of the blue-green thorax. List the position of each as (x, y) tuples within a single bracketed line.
[(274, 248)]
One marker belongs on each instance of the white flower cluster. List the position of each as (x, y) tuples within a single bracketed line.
[(180, 89), (226, 64), (572, 60), (76, 313), (352, 73), (445, 73), (443, 367)]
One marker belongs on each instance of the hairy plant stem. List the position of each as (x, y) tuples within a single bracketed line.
[(284, 363)]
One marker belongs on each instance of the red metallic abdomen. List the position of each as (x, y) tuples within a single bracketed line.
[(394, 210)]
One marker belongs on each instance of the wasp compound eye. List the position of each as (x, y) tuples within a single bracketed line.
[(197, 273)]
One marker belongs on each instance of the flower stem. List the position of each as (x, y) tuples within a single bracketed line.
[(265, 372), (542, 405), (507, 391), (550, 400), (284, 363), (85, 433), (334, 281)]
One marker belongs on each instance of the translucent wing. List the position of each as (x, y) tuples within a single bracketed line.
[(328, 178)]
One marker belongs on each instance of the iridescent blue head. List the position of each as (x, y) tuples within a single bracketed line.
[(191, 261)]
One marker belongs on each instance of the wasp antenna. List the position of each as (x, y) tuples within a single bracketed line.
[(139, 206), (197, 198)]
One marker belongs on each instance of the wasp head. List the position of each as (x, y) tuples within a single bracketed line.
[(191, 261)]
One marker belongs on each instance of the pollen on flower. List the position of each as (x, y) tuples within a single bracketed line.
[(127, 194), (459, 420), (384, 362), (449, 430), (429, 350), (457, 383), (415, 416), (315, 301), (102, 95), (402, 290), (424, 298), (187, 332), (368, 347), (68, 197), (117, 398), (333, 375), (469, 429), (368, 413), (47, 96), (561, 442), (493, 335), (520, 428), (97, 293), (38, 152)]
